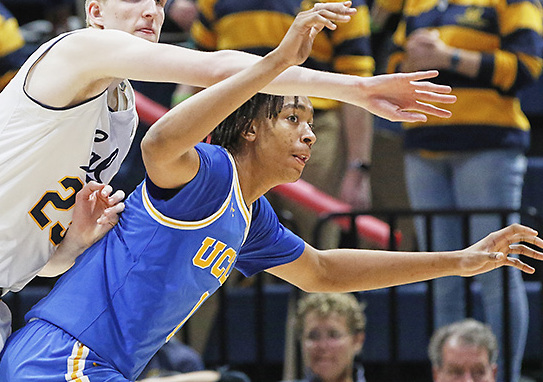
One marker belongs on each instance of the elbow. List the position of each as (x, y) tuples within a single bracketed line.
[(150, 146), (227, 63)]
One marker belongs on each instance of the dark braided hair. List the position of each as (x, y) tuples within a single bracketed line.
[(228, 133)]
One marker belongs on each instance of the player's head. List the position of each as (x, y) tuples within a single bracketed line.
[(464, 351), (142, 18), (332, 330), (274, 130)]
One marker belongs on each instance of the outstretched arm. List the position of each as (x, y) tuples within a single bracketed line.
[(168, 147), (96, 211), (87, 62), (356, 270)]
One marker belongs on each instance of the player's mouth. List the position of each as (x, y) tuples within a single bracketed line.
[(147, 31), (302, 158)]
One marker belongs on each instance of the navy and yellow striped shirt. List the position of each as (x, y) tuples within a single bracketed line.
[(487, 114), (258, 26), (12, 47)]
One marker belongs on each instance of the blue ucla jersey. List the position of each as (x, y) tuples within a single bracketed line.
[(129, 293)]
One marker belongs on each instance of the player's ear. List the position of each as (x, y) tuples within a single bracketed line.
[(250, 134), (94, 14)]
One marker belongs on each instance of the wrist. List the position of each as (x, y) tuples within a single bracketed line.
[(454, 61), (359, 165)]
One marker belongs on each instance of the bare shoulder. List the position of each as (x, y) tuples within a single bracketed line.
[(77, 66)]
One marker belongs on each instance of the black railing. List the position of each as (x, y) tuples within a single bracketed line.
[(351, 239)]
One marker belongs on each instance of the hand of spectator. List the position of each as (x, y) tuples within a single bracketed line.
[(356, 189), (425, 50)]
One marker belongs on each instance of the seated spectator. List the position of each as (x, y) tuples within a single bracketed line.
[(177, 362), (466, 350), (332, 333)]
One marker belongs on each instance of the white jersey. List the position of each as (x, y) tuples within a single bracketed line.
[(46, 155)]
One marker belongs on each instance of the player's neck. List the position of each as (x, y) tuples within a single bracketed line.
[(254, 182)]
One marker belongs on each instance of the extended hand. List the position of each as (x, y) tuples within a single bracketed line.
[(298, 41), (404, 97), (492, 251)]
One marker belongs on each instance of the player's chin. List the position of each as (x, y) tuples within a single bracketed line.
[(293, 176)]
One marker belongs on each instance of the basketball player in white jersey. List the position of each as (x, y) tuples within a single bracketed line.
[(68, 117)]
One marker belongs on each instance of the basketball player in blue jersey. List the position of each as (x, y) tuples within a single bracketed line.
[(69, 117), (200, 213)]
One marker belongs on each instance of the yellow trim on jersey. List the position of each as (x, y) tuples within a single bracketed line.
[(179, 224), (76, 363), (200, 302), (246, 212)]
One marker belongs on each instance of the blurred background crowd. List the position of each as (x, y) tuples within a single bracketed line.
[(422, 181)]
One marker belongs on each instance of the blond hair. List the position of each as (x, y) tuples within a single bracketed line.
[(324, 304)]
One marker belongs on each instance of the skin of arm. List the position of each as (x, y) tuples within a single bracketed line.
[(347, 270), (88, 62), (355, 187), (96, 211)]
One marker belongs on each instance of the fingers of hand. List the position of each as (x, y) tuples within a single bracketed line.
[(435, 96), (89, 189), (106, 191), (432, 110), (521, 249), (422, 75), (339, 9), (408, 116), (116, 197), (514, 262)]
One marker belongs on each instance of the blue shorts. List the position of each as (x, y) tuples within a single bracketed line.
[(42, 352)]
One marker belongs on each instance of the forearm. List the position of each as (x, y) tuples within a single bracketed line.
[(352, 270), (348, 270), (358, 124), (464, 62), (62, 259)]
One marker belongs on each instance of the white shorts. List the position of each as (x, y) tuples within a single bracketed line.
[(5, 323)]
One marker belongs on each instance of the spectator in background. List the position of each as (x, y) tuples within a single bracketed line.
[(177, 362), (464, 351), (487, 52), (13, 50), (332, 332), (182, 12), (341, 157)]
